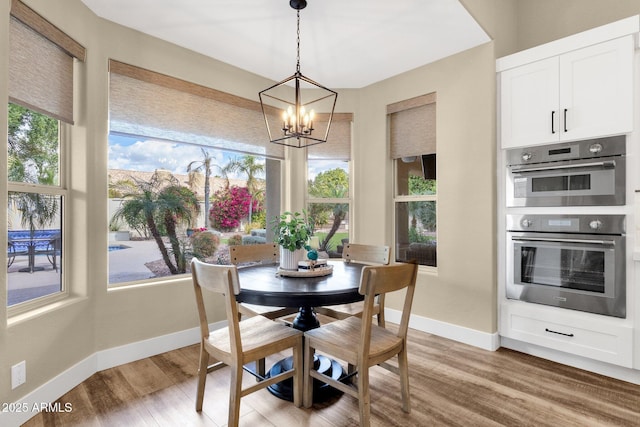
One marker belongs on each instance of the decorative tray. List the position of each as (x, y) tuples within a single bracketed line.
[(316, 272)]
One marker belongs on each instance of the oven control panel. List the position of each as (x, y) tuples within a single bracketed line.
[(595, 224)]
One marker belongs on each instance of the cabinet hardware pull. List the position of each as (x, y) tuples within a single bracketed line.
[(565, 120), (553, 129), (556, 332)]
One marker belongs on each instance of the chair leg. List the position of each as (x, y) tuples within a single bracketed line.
[(364, 399), (307, 380), (381, 320), (235, 395), (202, 377), (403, 367), (260, 369), (350, 370), (298, 375)]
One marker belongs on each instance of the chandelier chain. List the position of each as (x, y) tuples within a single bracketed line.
[(298, 45)]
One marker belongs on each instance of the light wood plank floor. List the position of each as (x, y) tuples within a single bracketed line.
[(452, 384)]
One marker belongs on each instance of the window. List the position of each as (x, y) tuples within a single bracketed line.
[(184, 179), (413, 150), (36, 200), (329, 188), (40, 111)]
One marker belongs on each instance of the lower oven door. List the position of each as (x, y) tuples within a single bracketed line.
[(580, 272)]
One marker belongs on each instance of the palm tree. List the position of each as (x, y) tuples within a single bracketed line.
[(37, 210), (249, 166), (162, 203), (206, 165), (339, 212)]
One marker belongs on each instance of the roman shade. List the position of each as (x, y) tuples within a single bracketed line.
[(41, 64), (338, 145), (412, 126), (154, 105)]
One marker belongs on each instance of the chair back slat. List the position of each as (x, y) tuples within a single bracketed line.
[(220, 279), (373, 254), (380, 280), (267, 253), (215, 279)]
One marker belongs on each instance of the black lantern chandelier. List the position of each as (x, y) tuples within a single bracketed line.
[(297, 110)]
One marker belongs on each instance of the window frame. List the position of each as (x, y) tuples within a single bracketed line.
[(60, 190), (398, 198), (417, 137), (329, 200)]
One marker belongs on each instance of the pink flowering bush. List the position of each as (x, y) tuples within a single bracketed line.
[(230, 206)]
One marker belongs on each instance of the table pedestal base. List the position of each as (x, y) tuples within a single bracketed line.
[(321, 391), (306, 319)]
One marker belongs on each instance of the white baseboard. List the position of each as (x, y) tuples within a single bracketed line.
[(127, 353), (461, 334), (25, 408), (50, 391)]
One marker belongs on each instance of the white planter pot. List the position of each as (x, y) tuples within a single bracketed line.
[(289, 259)]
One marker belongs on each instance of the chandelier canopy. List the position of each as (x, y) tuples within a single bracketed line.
[(298, 111)]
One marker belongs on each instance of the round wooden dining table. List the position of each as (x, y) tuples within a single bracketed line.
[(262, 285)]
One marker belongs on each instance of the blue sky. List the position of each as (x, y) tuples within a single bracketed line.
[(138, 153), (142, 154)]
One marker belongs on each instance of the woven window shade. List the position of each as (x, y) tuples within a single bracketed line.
[(338, 145), (41, 64), (412, 126), (153, 105)]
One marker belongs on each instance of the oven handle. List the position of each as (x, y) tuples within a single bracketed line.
[(546, 239), (609, 164)]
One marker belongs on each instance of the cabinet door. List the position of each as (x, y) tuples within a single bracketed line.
[(596, 96), (529, 104)]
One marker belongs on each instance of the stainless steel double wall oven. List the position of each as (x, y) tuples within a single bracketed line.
[(575, 261)]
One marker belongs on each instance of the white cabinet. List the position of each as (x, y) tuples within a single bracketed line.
[(585, 93), (592, 336), (529, 103)]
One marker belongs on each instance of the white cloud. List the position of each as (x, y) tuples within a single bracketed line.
[(149, 155)]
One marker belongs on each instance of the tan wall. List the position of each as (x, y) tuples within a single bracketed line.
[(542, 21), (463, 290)]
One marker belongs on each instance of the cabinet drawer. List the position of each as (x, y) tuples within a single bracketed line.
[(601, 339)]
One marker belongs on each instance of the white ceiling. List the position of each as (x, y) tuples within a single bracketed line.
[(343, 44)]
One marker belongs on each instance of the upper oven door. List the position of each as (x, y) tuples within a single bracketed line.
[(587, 182)]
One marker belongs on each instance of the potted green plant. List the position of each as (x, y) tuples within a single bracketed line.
[(292, 231)]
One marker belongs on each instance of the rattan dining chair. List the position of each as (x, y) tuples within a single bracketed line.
[(364, 254), (245, 255), (363, 344), (241, 342)]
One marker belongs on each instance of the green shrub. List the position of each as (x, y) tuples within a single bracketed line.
[(204, 244), (260, 218), (236, 239)]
